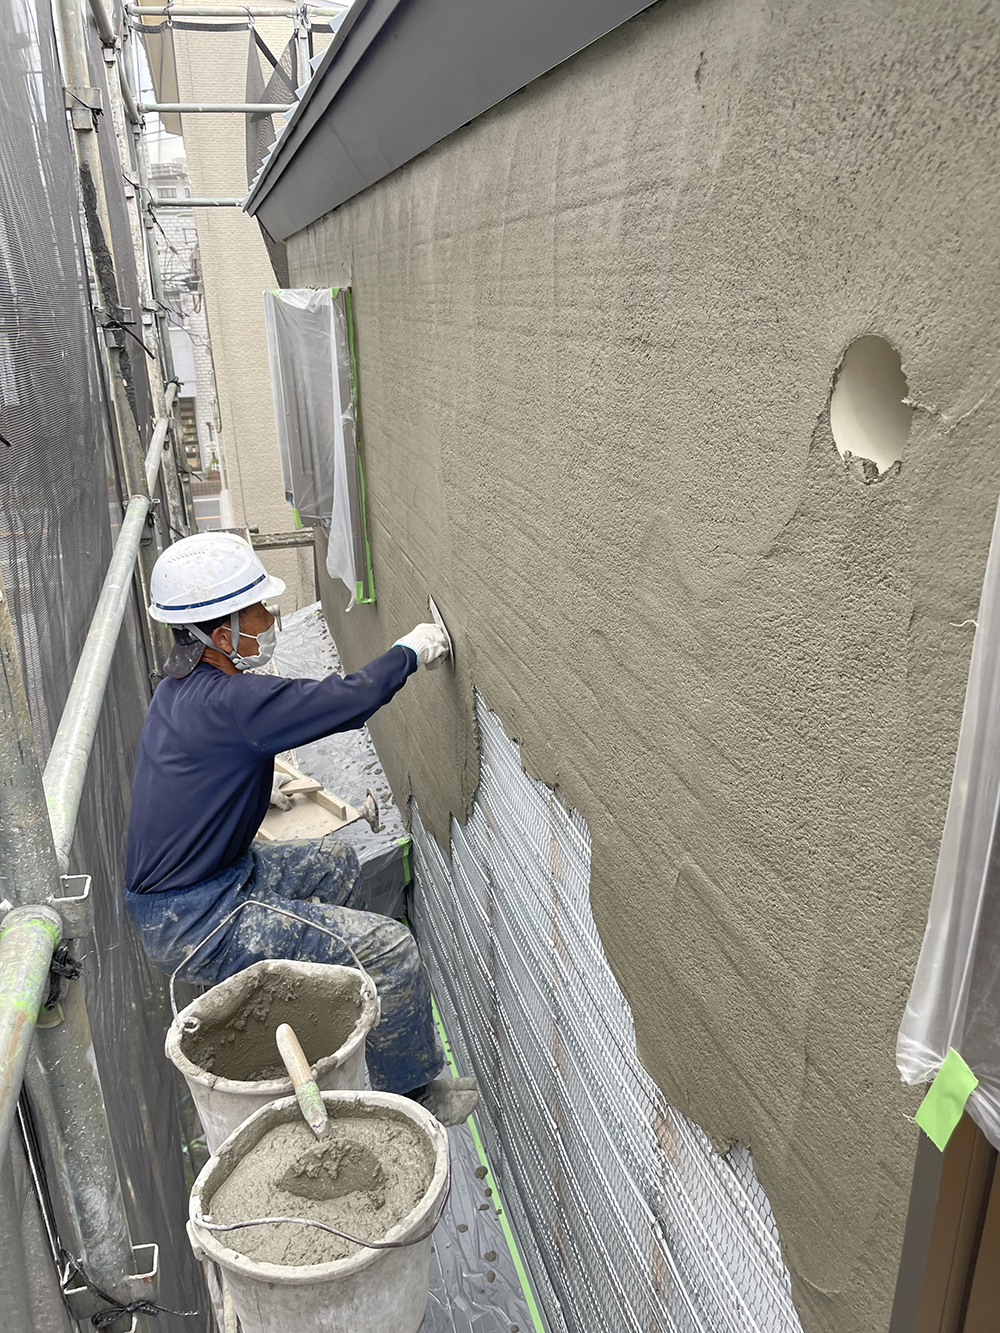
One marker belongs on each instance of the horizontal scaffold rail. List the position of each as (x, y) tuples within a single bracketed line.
[(271, 541), (230, 11), (66, 767), (244, 108), (196, 202)]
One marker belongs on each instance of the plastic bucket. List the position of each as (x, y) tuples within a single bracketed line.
[(221, 1039), (371, 1291)]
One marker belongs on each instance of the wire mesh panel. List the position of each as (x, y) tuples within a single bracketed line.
[(60, 505), (628, 1218)]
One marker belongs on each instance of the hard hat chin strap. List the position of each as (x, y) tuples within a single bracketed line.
[(234, 636)]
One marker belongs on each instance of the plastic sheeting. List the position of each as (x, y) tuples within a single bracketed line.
[(955, 998), (474, 1285), (309, 347), (61, 503), (625, 1215)]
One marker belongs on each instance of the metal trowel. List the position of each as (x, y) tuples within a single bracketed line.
[(438, 619), (331, 1168), (369, 812)]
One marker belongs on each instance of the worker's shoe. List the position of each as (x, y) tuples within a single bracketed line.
[(449, 1100)]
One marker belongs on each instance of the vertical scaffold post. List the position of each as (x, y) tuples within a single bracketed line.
[(152, 266), (128, 132), (302, 43), (72, 28), (28, 938)]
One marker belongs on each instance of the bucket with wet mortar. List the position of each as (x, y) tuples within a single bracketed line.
[(382, 1178), (223, 1042)]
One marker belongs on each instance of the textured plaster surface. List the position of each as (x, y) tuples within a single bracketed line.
[(211, 67), (597, 330)]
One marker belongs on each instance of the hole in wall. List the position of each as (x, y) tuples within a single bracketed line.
[(868, 416)]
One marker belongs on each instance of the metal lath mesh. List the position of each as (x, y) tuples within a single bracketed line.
[(628, 1217)]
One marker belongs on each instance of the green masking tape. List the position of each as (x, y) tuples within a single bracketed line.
[(311, 1103), (406, 844), (942, 1108)]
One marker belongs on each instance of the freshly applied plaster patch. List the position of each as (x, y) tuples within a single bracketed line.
[(942, 1108)]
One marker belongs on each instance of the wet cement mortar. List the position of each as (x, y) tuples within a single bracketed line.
[(242, 1046), (363, 1178)]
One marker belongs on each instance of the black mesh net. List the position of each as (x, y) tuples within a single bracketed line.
[(61, 504)]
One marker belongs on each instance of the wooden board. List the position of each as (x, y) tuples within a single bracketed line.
[(315, 811)]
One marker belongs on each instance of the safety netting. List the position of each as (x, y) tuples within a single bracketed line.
[(61, 503)]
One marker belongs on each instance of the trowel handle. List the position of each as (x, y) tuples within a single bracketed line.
[(306, 1091), (293, 1055)]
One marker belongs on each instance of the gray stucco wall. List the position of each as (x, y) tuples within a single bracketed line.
[(597, 330)]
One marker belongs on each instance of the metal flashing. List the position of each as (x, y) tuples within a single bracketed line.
[(401, 75)]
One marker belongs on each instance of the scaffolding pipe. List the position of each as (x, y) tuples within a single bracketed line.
[(195, 202), (131, 110), (302, 44), (28, 938), (210, 108), (73, 28), (228, 12), (101, 18), (66, 769)]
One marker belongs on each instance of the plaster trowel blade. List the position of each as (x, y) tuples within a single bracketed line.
[(438, 619)]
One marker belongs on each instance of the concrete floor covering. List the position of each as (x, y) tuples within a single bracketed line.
[(476, 1279)]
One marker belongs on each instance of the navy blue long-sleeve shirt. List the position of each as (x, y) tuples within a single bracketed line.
[(206, 760)]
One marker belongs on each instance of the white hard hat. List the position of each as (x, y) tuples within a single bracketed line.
[(207, 576)]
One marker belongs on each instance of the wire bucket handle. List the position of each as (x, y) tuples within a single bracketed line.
[(367, 984), (209, 1225)]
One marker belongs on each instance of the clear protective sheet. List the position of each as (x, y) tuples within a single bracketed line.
[(308, 342), (955, 998), (474, 1285), (625, 1216)]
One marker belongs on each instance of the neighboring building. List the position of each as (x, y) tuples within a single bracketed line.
[(235, 272), (183, 289), (180, 267), (597, 330)]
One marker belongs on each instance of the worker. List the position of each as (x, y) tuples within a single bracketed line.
[(204, 778)]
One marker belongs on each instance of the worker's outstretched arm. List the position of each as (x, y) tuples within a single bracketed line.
[(274, 714)]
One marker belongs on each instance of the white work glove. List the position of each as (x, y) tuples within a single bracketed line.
[(429, 642), (278, 798)]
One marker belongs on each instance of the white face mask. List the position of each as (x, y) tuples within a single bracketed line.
[(266, 642)]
